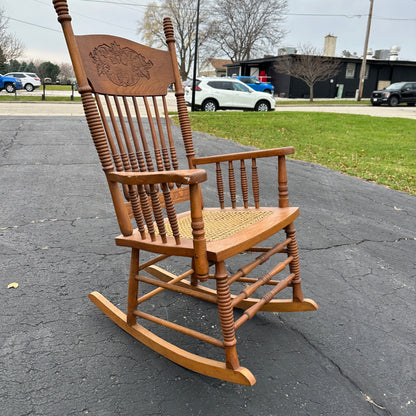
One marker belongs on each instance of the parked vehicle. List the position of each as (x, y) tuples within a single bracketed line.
[(29, 80), (394, 94), (214, 93), (10, 84), (254, 83)]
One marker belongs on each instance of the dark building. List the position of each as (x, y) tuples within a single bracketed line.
[(379, 74)]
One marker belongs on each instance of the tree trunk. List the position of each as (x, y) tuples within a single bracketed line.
[(311, 92)]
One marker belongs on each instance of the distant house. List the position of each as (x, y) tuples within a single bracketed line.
[(379, 74), (212, 67)]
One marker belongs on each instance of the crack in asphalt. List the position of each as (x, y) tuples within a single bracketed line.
[(43, 220), (357, 243), (351, 381), (6, 145)]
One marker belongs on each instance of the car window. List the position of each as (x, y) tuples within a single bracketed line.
[(240, 87), (395, 86), (221, 85)]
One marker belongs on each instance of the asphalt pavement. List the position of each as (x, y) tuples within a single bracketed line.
[(59, 355)]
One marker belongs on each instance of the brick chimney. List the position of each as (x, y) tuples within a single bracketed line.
[(330, 45)]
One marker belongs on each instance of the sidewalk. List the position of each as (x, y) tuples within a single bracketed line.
[(59, 108), (54, 108), (61, 356)]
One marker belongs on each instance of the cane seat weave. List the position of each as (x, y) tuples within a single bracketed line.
[(220, 224)]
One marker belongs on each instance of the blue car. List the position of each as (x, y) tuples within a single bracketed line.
[(10, 84), (254, 83)]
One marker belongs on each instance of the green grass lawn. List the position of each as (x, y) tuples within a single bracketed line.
[(28, 97), (37, 98), (382, 150), (53, 87), (322, 102)]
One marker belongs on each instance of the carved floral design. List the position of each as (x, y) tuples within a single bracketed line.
[(122, 66)]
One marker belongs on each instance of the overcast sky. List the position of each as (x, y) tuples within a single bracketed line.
[(308, 22)]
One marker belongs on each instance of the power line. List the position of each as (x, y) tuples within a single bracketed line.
[(326, 15), (32, 24), (116, 2), (349, 16), (75, 13), (89, 17)]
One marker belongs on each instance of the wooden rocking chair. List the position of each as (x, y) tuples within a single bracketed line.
[(124, 86)]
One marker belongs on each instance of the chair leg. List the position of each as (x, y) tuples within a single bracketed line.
[(226, 315), (292, 250), (194, 277), (133, 290), (228, 371)]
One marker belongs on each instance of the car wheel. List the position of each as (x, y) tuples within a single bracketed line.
[(394, 101), (262, 106), (29, 87), (209, 105), (10, 88)]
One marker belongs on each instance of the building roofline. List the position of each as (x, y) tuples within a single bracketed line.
[(341, 58)]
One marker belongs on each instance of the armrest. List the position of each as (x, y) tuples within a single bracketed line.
[(281, 151), (185, 177)]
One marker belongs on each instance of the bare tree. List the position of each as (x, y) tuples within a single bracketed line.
[(309, 66), (183, 14), (66, 72), (242, 29), (11, 46)]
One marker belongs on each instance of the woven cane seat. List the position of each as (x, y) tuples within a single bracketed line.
[(222, 228), (221, 224)]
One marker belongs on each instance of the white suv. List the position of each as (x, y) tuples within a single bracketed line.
[(29, 80), (213, 93)]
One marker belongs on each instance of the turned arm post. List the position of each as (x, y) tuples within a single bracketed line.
[(198, 233), (282, 180)]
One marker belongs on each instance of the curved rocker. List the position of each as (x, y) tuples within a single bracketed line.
[(193, 362), (275, 305)]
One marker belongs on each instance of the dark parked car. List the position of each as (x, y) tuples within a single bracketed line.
[(394, 94)]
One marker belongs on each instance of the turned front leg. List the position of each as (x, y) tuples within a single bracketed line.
[(226, 316), (292, 250), (133, 291)]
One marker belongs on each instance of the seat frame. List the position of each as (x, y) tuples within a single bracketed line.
[(143, 186)]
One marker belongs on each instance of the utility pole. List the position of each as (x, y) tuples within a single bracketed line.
[(364, 62)]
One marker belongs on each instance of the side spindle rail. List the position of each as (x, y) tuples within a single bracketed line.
[(176, 284)]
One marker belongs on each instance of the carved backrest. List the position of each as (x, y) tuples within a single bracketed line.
[(124, 86)]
